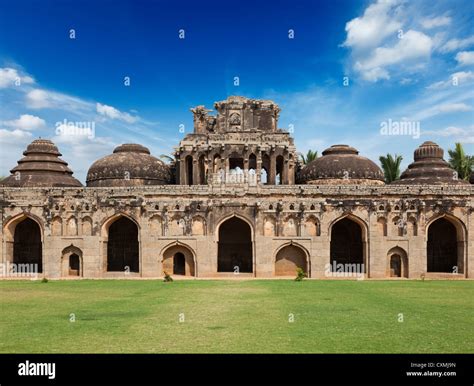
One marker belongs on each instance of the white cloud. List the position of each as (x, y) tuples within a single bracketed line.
[(10, 77), (413, 45), (434, 22), (26, 122), (385, 44), (457, 44), (456, 79), (453, 107), (38, 99), (13, 135), (41, 98), (113, 113), (465, 58), (458, 134), (12, 144), (441, 108), (378, 22)]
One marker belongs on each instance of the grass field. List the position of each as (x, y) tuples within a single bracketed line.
[(251, 316)]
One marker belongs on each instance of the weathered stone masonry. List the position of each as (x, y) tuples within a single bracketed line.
[(77, 220), (235, 207)]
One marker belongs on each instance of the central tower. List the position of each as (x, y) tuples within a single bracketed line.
[(242, 144)]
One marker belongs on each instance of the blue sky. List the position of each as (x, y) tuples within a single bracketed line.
[(351, 67)]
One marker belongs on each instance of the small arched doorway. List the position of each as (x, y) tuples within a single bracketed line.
[(347, 246), (442, 247), (122, 246), (27, 245), (397, 262), (235, 246), (71, 262), (288, 259), (178, 259)]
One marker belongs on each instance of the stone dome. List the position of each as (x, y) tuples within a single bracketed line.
[(429, 168), (341, 164), (129, 165), (41, 166)]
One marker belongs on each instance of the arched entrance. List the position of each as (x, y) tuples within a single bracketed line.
[(179, 260), (27, 245), (397, 262), (442, 247), (122, 246), (71, 261), (235, 246), (347, 246), (289, 259)]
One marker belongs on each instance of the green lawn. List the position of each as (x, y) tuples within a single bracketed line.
[(250, 316)]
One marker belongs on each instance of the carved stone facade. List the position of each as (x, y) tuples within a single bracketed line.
[(242, 144), (221, 226)]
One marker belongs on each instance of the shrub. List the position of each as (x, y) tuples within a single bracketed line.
[(167, 277), (300, 274), (44, 280)]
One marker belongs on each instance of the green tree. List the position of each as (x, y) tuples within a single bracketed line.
[(391, 167), (310, 156), (460, 161)]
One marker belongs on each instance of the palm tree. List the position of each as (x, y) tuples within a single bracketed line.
[(391, 167), (311, 155), (168, 159), (460, 161)]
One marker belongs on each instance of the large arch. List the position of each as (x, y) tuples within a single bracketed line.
[(120, 235), (23, 238), (348, 244), (27, 244), (397, 262), (178, 259), (445, 245), (289, 257), (235, 245)]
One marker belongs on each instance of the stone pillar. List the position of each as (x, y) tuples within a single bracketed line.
[(182, 170), (259, 167), (196, 173), (291, 173), (272, 169), (284, 172)]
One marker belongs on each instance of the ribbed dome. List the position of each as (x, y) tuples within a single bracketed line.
[(429, 168), (341, 164), (129, 165), (41, 166)]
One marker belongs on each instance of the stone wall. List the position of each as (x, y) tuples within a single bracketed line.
[(186, 219)]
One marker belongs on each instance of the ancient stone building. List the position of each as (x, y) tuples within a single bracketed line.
[(236, 202)]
